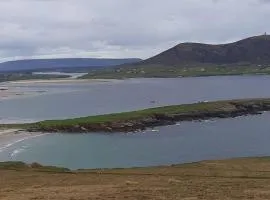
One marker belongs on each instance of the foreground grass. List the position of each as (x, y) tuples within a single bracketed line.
[(244, 178), (33, 167)]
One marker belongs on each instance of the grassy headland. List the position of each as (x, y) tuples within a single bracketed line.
[(244, 178), (148, 118)]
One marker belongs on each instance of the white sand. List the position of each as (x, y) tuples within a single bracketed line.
[(9, 137), (12, 88), (65, 80)]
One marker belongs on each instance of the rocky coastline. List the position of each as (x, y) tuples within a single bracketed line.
[(225, 109)]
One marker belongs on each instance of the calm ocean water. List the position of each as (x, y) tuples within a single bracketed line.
[(186, 142), (84, 99)]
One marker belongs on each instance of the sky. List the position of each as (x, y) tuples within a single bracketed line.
[(122, 28)]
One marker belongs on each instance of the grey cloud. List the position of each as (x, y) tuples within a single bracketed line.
[(122, 28)]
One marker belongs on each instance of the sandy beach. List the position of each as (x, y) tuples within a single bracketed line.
[(12, 89), (14, 92), (64, 80), (9, 137)]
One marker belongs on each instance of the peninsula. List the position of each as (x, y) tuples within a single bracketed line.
[(150, 118)]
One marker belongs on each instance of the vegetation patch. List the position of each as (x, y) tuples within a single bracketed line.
[(10, 165)]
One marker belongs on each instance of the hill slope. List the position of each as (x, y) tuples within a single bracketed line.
[(251, 50), (241, 179), (63, 63), (247, 56)]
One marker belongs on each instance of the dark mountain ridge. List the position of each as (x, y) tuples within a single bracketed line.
[(253, 50), (70, 64)]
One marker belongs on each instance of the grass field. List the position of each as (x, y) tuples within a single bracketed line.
[(159, 71), (244, 178)]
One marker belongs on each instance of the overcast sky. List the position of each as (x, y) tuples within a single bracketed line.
[(122, 28)]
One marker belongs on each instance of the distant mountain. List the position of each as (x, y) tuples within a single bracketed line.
[(71, 64), (253, 50)]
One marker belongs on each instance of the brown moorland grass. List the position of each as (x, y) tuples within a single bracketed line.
[(244, 178)]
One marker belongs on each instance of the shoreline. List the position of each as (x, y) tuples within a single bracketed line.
[(117, 79), (64, 80), (11, 90), (10, 137), (13, 93)]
